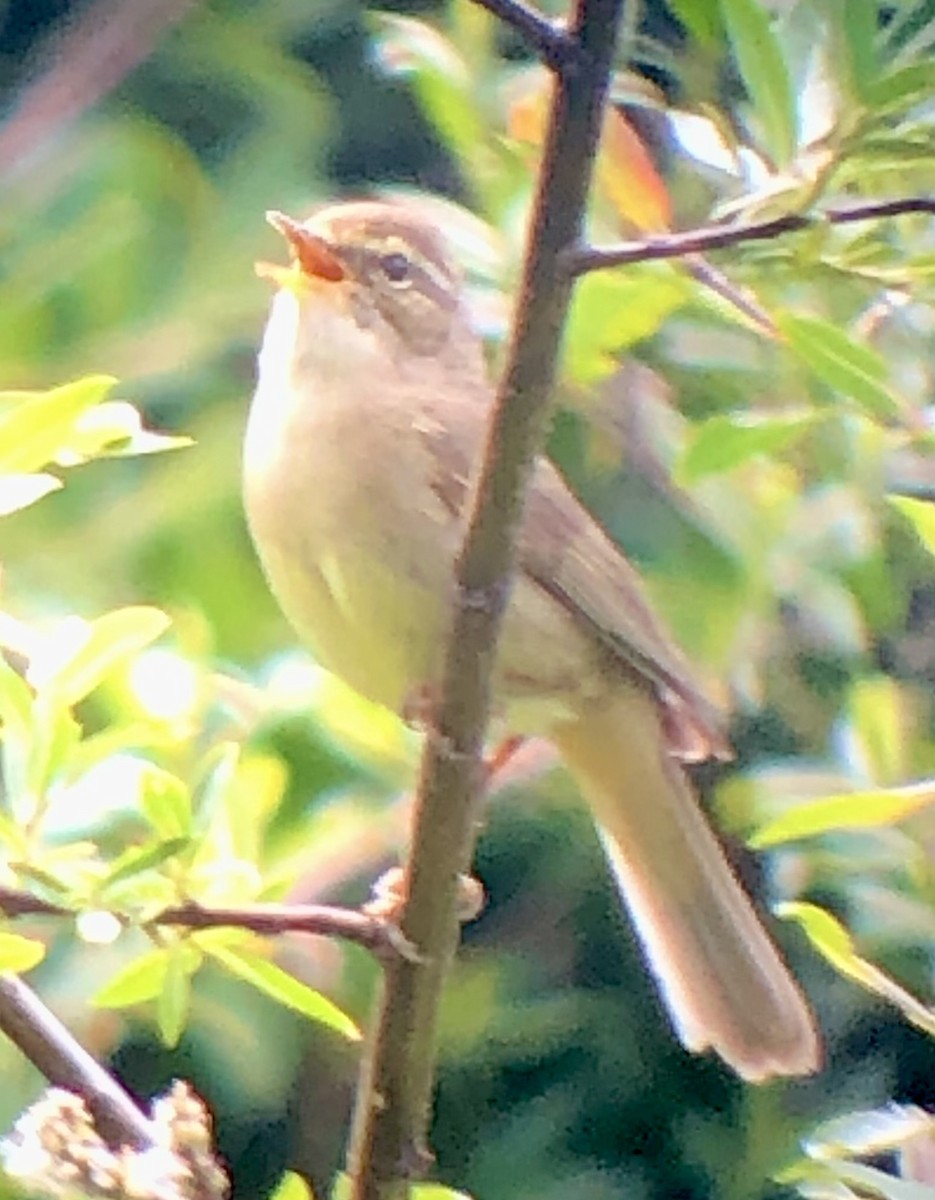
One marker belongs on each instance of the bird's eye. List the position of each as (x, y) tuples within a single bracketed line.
[(396, 267)]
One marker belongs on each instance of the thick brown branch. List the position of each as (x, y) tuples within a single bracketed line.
[(388, 1141), (49, 1046), (716, 237)]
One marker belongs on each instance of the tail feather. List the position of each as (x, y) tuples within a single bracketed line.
[(723, 981)]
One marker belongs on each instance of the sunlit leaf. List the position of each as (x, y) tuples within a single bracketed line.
[(921, 515), (19, 953), (19, 491), (868, 1133), (166, 802), (436, 1191), (15, 702), (847, 810), (140, 980), (834, 943), (612, 311), (273, 981), (729, 439), (849, 367), (138, 859), (293, 1187), (762, 65), (34, 429), (77, 664), (56, 734), (877, 715), (174, 1000)]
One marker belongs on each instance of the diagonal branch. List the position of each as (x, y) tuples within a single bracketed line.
[(582, 259), (56, 1053), (388, 1139)]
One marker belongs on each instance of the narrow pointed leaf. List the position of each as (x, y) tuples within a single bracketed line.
[(281, 986), (847, 810), (38, 425), (762, 66)]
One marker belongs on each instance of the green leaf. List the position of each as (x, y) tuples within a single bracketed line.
[(138, 859), (19, 491), (56, 734), (762, 67), (166, 802), (293, 1187), (19, 953), (140, 980), (174, 1001), (843, 364), (441, 79), (921, 515), (869, 1132), (701, 18), (834, 943), (87, 652), (846, 810), (613, 310), (902, 89), (286, 989), (877, 714), (435, 1191), (15, 702), (857, 22), (729, 439), (34, 426)]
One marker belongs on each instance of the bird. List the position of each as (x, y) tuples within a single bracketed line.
[(367, 421)]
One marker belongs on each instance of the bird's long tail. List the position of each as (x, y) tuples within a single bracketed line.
[(722, 978)]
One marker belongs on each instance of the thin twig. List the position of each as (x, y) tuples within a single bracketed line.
[(374, 933), (549, 39), (582, 259), (63, 1061), (388, 1139)]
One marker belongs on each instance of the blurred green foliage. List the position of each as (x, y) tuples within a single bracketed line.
[(776, 487)]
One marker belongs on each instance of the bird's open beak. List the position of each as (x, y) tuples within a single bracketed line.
[(312, 256)]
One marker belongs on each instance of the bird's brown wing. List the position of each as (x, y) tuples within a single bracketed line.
[(565, 552)]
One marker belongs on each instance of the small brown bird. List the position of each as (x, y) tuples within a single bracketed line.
[(368, 419)]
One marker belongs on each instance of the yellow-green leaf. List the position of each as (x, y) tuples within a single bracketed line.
[(729, 439), (174, 1000), (281, 986), (18, 953), (837, 360), (293, 1187), (834, 943), (140, 980), (37, 425), (763, 67), (847, 810), (75, 665), (921, 515)]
